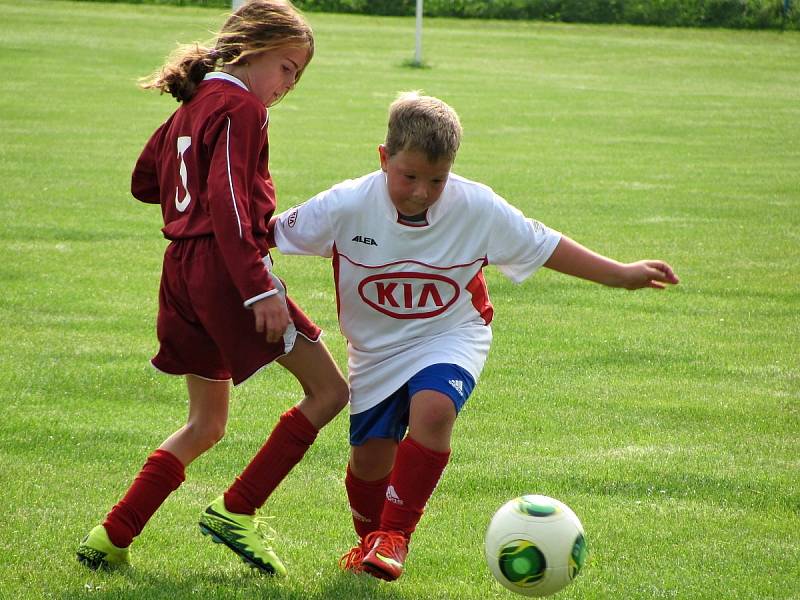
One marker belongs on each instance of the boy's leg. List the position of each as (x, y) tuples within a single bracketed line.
[(421, 459), (366, 481), (106, 545), (326, 394), (374, 435)]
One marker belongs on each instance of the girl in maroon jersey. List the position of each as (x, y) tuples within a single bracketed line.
[(223, 315)]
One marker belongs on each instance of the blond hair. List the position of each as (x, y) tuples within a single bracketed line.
[(425, 124), (257, 26)]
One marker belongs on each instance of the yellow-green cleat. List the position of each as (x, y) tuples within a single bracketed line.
[(97, 552), (246, 535)]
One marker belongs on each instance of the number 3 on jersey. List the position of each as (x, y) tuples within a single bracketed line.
[(184, 142)]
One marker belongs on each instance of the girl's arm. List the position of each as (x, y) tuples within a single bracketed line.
[(571, 258), (144, 180)]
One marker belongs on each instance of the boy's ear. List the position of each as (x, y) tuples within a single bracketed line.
[(384, 155)]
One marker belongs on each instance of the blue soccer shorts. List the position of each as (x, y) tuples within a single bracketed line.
[(389, 419)]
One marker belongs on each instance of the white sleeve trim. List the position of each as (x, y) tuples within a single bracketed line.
[(230, 178), (250, 301)]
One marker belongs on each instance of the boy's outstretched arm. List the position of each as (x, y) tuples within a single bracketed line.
[(571, 258)]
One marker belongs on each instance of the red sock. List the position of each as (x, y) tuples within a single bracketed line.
[(366, 502), (161, 475), (416, 473), (284, 448)]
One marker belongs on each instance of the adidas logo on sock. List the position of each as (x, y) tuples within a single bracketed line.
[(391, 496), (458, 385)]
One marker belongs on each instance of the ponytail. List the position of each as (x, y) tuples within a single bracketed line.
[(257, 26), (183, 72)]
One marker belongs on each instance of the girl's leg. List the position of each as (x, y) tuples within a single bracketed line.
[(164, 470), (208, 416), (161, 474), (229, 518), (326, 394)]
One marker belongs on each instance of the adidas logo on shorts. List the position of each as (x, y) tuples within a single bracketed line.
[(458, 385)]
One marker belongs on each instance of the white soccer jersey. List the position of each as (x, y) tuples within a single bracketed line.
[(409, 297)]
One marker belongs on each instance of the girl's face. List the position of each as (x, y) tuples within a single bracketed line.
[(414, 182), (271, 74)]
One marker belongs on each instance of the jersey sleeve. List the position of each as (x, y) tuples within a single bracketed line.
[(234, 140), (307, 228), (518, 246), (144, 180)]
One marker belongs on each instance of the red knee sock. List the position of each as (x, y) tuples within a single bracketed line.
[(284, 448), (416, 472), (161, 475), (366, 502)]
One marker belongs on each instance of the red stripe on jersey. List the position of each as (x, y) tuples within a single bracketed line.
[(413, 262), (480, 297), (335, 264)]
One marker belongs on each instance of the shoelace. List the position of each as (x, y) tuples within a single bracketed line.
[(389, 541), (352, 560), (264, 530)]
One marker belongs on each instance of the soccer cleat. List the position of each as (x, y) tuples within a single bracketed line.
[(244, 534), (352, 560), (97, 552), (388, 550)]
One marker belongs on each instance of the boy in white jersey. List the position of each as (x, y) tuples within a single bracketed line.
[(408, 245)]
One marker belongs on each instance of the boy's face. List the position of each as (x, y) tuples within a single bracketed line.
[(414, 182)]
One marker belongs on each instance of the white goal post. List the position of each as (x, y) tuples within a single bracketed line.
[(418, 45)]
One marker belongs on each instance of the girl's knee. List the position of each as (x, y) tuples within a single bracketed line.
[(206, 435), (340, 394), (335, 395)]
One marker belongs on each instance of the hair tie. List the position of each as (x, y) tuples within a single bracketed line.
[(213, 54)]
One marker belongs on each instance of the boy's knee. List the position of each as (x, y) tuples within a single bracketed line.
[(441, 413), (374, 460), (432, 417)]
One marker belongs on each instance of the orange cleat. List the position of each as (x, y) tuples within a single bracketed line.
[(387, 552)]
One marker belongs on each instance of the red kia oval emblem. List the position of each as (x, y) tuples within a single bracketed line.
[(407, 295)]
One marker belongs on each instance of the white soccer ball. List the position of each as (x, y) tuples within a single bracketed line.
[(535, 545)]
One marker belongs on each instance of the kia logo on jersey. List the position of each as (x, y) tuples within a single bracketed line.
[(407, 295)]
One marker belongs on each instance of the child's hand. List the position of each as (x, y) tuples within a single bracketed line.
[(272, 317), (648, 273)]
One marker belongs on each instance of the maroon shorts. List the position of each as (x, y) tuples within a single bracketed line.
[(203, 327)]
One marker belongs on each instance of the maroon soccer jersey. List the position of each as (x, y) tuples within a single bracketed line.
[(207, 166)]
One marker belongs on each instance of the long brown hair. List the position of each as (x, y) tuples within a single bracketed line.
[(257, 26)]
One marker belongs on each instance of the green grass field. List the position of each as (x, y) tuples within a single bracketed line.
[(668, 421)]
